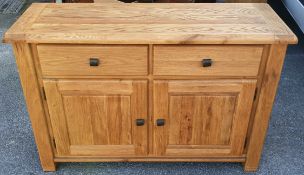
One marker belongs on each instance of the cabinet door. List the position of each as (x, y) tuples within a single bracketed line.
[(201, 118), (98, 118)]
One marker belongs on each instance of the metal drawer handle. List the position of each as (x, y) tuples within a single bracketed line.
[(160, 122), (207, 62), (94, 61), (140, 122)]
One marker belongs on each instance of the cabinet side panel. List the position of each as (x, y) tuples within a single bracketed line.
[(34, 103), (266, 98)]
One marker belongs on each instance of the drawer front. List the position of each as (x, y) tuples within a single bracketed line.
[(74, 60), (207, 60)]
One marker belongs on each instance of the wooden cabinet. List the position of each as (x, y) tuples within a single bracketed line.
[(201, 118), (98, 117), (149, 82)]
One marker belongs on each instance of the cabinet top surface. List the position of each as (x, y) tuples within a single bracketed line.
[(135, 23)]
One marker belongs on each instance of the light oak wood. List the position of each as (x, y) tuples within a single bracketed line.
[(89, 121), (42, 93), (150, 101), (34, 103), (138, 23), (150, 68), (107, 1), (226, 60), (267, 94), (94, 87), (202, 117), (259, 81), (246, 1), (114, 60), (101, 150), (151, 159)]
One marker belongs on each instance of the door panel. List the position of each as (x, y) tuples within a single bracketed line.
[(98, 117), (91, 119), (185, 114), (202, 118)]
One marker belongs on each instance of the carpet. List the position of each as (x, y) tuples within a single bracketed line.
[(11, 6)]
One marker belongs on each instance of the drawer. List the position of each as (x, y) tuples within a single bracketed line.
[(76, 60), (221, 60)]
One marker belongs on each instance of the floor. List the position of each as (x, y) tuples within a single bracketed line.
[(283, 151)]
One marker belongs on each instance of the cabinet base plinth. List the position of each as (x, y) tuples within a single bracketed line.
[(150, 159)]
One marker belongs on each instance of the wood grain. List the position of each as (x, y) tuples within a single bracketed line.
[(56, 110), (160, 111), (114, 60), (102, 150), (202, 119), (246, 1), (42, 92), (107, 1), (226, 60), (114, 87), (98, 123), (150, 68), (139, 110), (265, 101), (152, 159), (139, 23), (91, 120), (255, 102), (34, 103)]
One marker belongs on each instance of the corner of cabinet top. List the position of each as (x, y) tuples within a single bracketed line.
[(140, 23)]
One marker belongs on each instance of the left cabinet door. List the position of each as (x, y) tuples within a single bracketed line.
[(98, 117)]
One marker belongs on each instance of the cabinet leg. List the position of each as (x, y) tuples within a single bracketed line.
[(51, 166), (34, 101), (263, 110), (250, 166)]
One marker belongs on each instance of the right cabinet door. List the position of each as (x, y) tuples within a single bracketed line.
[(201, 118)]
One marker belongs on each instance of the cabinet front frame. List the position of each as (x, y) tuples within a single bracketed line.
[(268, 55)]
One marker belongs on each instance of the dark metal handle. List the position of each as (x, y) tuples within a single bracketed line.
[(206, 62), (140, 122), (94, 61), (160, 122)]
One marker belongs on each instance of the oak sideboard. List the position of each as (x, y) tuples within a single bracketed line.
[(149, 82)]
